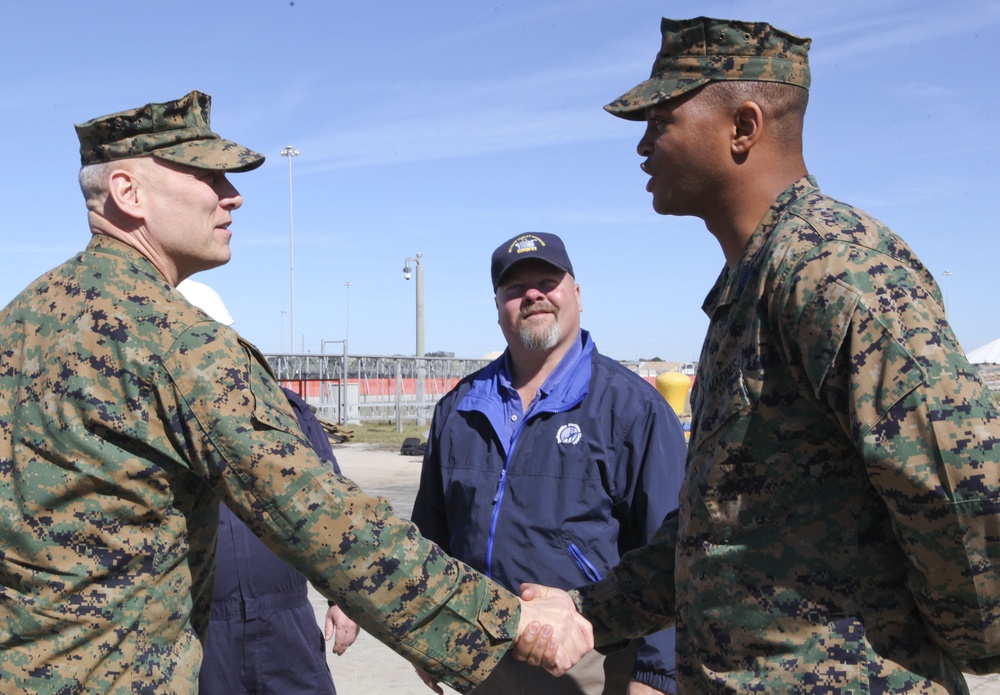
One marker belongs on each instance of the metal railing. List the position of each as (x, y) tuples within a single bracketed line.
[(364, 388), (990, 374)]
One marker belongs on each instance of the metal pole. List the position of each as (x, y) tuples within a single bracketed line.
[(947, 274), (343, 387), (289, 152), (341, 396), (347, 312), (420, 305), (399, 399), (421, 367), (343, 371)]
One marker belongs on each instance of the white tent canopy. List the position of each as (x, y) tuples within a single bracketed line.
[(987, 354)]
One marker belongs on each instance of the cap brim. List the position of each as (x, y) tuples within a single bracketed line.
[(507, 270), (214, 153), (633, 104)]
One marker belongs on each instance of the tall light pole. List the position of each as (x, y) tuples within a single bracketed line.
[(347, 313), (291, 152), (947, 274), (347, 331), (418, 261)]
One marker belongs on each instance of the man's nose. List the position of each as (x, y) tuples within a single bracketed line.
[(645, 146), (229, 197), (534, 294)]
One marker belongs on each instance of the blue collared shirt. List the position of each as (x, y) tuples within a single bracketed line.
[(513, 408)]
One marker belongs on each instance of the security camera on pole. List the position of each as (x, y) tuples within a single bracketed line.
[(421, 368)]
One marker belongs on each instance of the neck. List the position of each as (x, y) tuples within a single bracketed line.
[(733, 220), (530, 368), (137, 239)]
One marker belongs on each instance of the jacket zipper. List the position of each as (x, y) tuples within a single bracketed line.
[(585, 565), (498, 498)]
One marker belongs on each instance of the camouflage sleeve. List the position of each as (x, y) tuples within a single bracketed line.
[(434, 611), (875, 346), (637, 597)]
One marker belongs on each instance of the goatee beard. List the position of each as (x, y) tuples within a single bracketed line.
[(539, 340)]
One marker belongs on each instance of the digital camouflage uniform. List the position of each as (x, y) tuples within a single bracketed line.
[(838, 528), (125, 416)]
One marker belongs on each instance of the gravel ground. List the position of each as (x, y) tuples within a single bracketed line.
[(371, 668)]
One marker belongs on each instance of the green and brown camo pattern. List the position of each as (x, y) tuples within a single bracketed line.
[(697, 51), (126, 416), (177, 131), (839, 526)]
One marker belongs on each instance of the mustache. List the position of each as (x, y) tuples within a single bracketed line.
[(537, 308)]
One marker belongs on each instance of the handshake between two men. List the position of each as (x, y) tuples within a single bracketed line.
[(550, 634)]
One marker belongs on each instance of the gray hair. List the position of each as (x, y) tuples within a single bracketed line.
[(94, 179)]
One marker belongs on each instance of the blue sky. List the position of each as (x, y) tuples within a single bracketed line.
[(447, 126)]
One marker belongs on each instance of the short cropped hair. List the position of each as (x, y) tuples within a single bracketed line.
[(783, 106), (94, 179)]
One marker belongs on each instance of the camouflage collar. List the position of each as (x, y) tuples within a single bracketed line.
[(731, 282)]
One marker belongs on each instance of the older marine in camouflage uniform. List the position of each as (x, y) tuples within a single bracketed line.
[(126, 414), (838, 529)]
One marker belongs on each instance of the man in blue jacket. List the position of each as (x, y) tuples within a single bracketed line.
[(549, 463)]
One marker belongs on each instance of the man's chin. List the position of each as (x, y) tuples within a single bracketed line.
[(539, 341), (662, 207), (209, 263), (223, 257)]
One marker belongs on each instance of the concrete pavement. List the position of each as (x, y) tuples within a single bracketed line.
[(371, 668)]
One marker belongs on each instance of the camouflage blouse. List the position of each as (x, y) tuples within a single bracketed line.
[(838, 529), (126, 415)]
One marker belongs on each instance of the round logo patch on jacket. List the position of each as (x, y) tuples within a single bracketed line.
[(569, 434)]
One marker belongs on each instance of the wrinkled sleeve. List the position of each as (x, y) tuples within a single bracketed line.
[(436, 612), (926, 427)]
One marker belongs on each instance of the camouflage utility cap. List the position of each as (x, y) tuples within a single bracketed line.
[(177, 131), (702, 50)]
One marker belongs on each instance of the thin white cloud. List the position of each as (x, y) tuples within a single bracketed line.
[(902, 25), (438, 120)]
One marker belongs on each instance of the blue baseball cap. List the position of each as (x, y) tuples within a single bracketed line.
[(539, 245)]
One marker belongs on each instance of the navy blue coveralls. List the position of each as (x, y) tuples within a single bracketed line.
[(263, 637)]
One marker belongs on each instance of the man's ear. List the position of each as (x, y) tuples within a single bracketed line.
[(748, 122), (124, 192)]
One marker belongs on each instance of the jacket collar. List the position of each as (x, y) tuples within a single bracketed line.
[(732, 281), (566, 386)]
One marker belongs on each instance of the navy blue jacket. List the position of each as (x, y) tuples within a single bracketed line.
[(590, 475), (263, 636)]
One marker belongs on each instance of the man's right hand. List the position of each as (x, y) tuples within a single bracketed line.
[(551, 632)]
